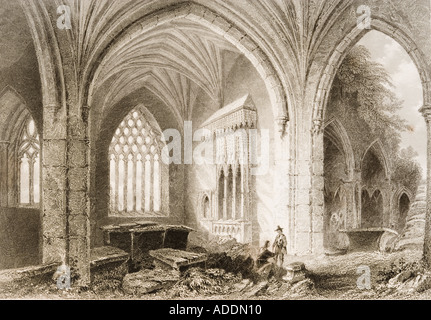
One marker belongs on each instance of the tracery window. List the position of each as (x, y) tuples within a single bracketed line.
[(136, 168), (29, 165)]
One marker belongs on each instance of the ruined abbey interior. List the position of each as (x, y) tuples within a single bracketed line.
[(84, 105)]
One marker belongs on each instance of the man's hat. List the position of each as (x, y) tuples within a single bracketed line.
[(279, 228)]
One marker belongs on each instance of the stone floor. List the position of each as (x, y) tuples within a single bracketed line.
[(334, 277)]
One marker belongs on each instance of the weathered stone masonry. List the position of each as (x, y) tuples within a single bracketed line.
[(295, 48)]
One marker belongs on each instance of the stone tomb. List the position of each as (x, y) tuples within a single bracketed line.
[(139, 238), (108, 267), (366, 239), (172, 259)]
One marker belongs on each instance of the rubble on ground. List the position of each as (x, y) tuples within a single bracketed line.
[(228, 254), (410, 282), (230, 269), (148, 281), (198, 281)]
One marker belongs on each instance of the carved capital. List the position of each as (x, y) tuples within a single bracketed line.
[(282, 124), (52, 110), (426, 112), (317, 126)]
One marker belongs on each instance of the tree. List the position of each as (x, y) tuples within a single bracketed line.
[(407, 171), (367, 86)]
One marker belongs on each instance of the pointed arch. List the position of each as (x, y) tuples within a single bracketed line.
[(204, 204), (13, 105), (400, 191), (337, 134), (28, 156), (215, 22), (220, 194), (339, 52), (137, 172), (371, 209), (378, 149)]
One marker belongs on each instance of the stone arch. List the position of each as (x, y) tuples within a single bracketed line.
[(149, 117), (17, 113), (403, 206), (220, 194), (199, 13), (100, 166), (400, 191), (372, 209), (138, 145), (48, 56), (204, 204), (401, 203), (229, 196), (378, 149), (349, 40), (335, 131)]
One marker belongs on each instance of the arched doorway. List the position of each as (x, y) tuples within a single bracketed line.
[(323, 97), (221, 196), (372, 210), (335, 171), (403, 209)]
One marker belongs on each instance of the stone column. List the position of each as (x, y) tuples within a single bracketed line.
[(65, 205), (350, 218), (281, 183), (78, 151), (317, 189), (65, 145), (387, 207), (4, 173), (234, 200), (54, 176), (426, 111), (225, 191)]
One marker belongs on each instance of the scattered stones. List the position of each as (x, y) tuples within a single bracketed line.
[(148, 281), (197, 281), (259, 288), (423, 283), (242, 285), (303, 288), (409, 282), (399, 279)]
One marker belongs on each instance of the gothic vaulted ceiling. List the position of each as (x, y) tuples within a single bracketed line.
[(174, 61), (176, 58)]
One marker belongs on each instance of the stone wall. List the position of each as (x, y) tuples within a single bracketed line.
[(296, 48), (242, 79), (20, 232), (100, 165)]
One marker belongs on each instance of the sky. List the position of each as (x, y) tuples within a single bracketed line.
[(408, 87)]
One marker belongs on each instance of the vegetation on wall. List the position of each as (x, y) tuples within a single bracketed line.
[(366, 86)]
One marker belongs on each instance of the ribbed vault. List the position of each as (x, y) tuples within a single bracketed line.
[(173, 61)]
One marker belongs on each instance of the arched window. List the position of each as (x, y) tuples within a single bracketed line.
[(206, 209), (221, 190), (229, 195), (403, 207), (137, 174), (29, 164), (238, 194)]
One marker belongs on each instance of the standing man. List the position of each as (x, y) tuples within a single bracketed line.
[(279, 246)]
